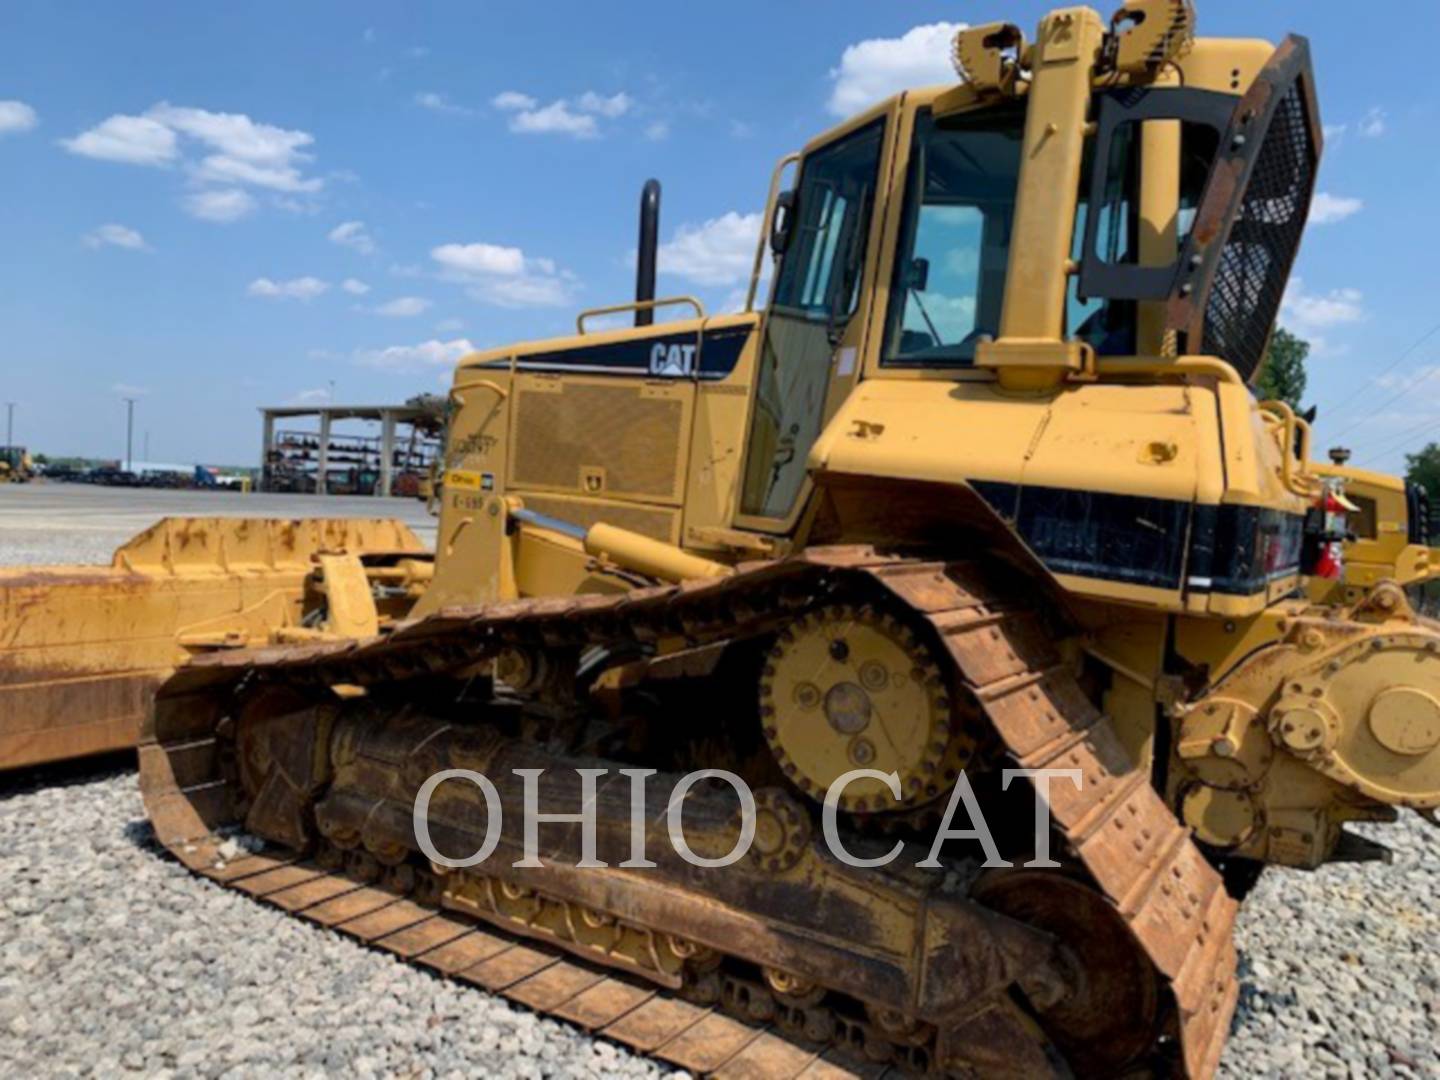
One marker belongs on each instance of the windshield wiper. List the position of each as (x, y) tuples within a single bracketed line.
[(934, 334)]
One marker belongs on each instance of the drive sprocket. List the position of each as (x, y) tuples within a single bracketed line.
[(850, 687)]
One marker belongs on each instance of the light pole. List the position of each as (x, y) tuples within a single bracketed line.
[(129, 429)]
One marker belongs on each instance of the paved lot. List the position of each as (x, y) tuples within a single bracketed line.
[(80, 523)]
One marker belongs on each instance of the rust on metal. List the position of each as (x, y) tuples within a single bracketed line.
[(1144, 890), (83, 649)]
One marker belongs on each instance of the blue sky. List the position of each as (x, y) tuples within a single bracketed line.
[(214, 207)]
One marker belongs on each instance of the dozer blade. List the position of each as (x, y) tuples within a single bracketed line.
[(83, 648), (257, 773)]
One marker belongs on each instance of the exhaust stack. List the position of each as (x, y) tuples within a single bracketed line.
[(649, 242)]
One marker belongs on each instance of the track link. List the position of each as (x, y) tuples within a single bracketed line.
[(1130, 843), (703, 1039)]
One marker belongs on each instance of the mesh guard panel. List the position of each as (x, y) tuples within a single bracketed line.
[(1255, 262), (1252, 215)]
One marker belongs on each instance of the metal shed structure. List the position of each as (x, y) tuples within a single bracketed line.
[(324, 462)]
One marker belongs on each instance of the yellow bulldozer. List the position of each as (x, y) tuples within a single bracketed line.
[(970, 560), (16, 466)]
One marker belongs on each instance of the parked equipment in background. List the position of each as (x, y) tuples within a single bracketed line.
[(15, 465), (309, 456), (1387, 536)]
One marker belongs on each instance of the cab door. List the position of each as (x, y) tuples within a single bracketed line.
[(816, 326)]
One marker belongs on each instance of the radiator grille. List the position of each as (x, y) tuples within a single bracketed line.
[(655, 523), (631, 435)]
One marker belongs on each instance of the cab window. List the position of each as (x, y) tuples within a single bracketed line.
[(809, 322), (955, 237), (820, 275)]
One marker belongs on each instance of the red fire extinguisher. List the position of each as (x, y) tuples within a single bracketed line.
[(1332, 506)]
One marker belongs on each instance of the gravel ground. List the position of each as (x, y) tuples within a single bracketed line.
[(50, 524), (113, 958), (1339, 967), (42, 547)]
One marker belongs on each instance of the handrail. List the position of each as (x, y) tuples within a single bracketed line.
[(1180, 365), (1289, 453), (479, 384), (638, 305), (766, 223)]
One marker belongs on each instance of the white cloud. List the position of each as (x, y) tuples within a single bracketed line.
[(530, 290), (513, 101), (1326, 208), (657, 130), (1407, 380), (126, 390), (231, 150), (134, 140), (354, 286), (223, 205), (563, 116), (243, 150), (479, 258), (305, 205), (447, 326), (1373, 124), (220, 169), (613, 106), (352, 234), (317, 396), (504, 276), (406, 358), (1311, 311), (878, 67), (403, 307), (1334, 131), (121, 236), (301, 288), (720, 251), (233, 134), (16, 117), (438, 103), (557, 118), (1312, 315)]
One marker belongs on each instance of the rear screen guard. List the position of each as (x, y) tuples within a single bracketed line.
[(1223, 292)]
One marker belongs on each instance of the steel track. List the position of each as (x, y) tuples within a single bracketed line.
[(1137, 854)]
